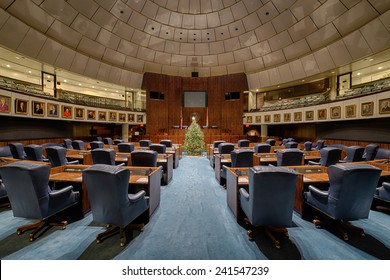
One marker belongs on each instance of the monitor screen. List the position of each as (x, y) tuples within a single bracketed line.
[(195, 99)]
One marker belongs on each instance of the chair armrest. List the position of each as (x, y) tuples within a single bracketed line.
[(73, 162), (244, 193), (121, 164), (135, 197), (317, 193), (313, 163), (58, 196), (386, 186)]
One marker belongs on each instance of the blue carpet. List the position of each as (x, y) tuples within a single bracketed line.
[(193, 222)]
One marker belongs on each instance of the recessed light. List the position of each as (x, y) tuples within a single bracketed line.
[(371, 59), (65, 81), (79, 84), (358, 74), (29, 72), (8, 65), (380, 68), (105, 89)]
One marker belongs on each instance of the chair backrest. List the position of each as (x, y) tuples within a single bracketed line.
[(78, 144), (27, 188), (125, 147), (354, 153), (320, 144), (96, 145), (351, 190), (117, 141), (262, 148), (289, 157), (241, 158), (68, 144), (225, 148), (144, 158), (56, 155), (145, 143), (166, 142), (159, 148), (34, 152), (217, 142), (243, 143), (370, 152), (307, 145), (330, 156), (99, 138), (271, 195), (17, 150), (103, 156), (291, 145), (270, 141), (107, 140)]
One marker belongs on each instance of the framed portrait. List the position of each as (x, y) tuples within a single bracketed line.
[(321, 114), (122, 117), (297, 116), (78, 113), (91, 115), (38, 108), (102, 116), (350, 111), (258, 119), (384, 106), (287, 117), (267, 118), (309, 115), (21, 106), (140, 118), (5, 104), (249, 119), (66, 112), (112, 116), (335, 112), (52, 110), (130, 117), (277, 118), (367, 109)]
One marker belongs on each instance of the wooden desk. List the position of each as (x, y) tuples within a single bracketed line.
[(220, 160), (83, 156), (271, 158), (176, 156)]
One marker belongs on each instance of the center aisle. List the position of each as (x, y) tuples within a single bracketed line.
[(193, 221)]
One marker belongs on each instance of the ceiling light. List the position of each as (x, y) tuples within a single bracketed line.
[(105, 89), (8, 65), (65, 81), (371, 59), (29, 72), (79, 84), (380, 68), (358, 74)]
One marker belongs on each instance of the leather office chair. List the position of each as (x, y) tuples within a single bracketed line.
[(104, 156), (270, 200), (289, 157), (270, 141), (291, 145), (107, 140), (57, 156), (243, 143), (78, 144), (216, 143), (144, 158), (349, 197), (159, 148), (262, 148), (68, 144), (111, 204), (370, 152), (383, 192), (125, 147), (307, 146), (99, 138), (117, 141), (225, 148), (320, 144), (239, 158), (17, 150), (30, 196), (354, 153), (34, 152), (145, 143), (167, 143), (96, 145), (328, 156), (3, 194)]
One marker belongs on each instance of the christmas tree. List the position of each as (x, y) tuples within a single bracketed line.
[(194, 141)]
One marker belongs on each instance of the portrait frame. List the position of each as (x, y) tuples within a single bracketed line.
[(66, 112), (140, 118), (79, 113), (258, 119), (321, 114), (130, 117), (6, 106), (102, 116), (122, 117), (249, 119), (52, 110), (38, 111), (297, 116), (367, 109), (267, 118), (287, 117), (335, 112), (91, 115), (112, 116), (309, 115), (350, 111), (276, 117), (18, 109), (384, 106)]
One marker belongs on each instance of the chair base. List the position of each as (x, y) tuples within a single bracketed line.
[(38, 226), (344, 227), (112, 230), (269, 230)]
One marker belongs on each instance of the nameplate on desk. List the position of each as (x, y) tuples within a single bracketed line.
[(242, 180), (142, 180), (73, 170)]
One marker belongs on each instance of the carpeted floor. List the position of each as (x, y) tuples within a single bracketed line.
[(193, 222)]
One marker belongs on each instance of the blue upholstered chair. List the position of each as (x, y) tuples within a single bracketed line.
[(243, 143), (289, 157), (225, 148), (144, 158), (270, 141), (217, 142), (117, 141), (3, 194), (328, 156), (34, 152), (307, 146), (17, 150), (370, 152), (78, 144), (159, 148), (291, 145), (320, 144), (96, 145), (104, 156), (354, 153), (99, 138), (262, 148), (107, 140), (383, 192), (166, 142), (270, 200), (31, 198), (145, 143), (239, 158), (57, 156), (125, 147), (349, 197), (68, 144), (111, 204)]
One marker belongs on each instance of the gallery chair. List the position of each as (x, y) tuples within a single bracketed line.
[(96, 145), (145, 143), (57, 156), (354, 153), (78, 144), (370, 152), (125, 147), (270, 141), (166, 142), (291, 145), (349, 197), (328, 156), (262, 148), (104, 156), (289, 157), (68, 144), (17, 150), (243, 143), (144, 158), (111, 204), (270, 200), (159, 148), (31, 198), (307, 146), (34, 152)]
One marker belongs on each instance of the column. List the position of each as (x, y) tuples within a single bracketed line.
[(125, 132)]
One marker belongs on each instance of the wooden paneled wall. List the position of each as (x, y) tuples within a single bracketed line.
[(162, 115)]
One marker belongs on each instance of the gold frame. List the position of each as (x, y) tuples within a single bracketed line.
[(287, 117), (367, 105), (309, 115), (82, 113), (102, 116), (384, 106), (17, 102), (7, 100), (297, 116), (335, 114), (258, 119), (48, 105), (350, 111), (122, 117), (321, 114), (93, 114), (63, 108)]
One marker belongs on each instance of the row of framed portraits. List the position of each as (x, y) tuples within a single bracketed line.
[(54, 110), (366, 110)]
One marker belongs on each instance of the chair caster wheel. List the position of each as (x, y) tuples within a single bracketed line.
[(63, 227), (277, 245), (122, 244), (98, 241), (18, 232), (345, 237)]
